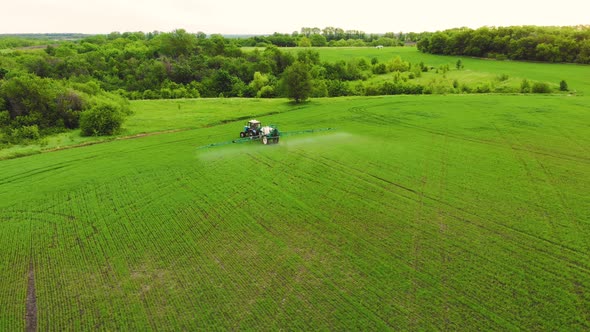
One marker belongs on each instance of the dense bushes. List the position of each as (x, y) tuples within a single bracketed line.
[(31, 106)]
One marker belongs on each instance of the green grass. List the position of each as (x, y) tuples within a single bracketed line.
[(459, 212)]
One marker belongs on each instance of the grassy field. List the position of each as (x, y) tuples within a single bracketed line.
[(459, 212)]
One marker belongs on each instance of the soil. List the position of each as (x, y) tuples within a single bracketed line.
[(31, 305)]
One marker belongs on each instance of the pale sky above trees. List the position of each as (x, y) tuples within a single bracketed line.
[(268, 16)]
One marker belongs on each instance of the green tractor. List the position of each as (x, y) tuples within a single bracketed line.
[(254, 130)]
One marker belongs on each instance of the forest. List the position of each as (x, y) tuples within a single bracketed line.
[(533, 43)]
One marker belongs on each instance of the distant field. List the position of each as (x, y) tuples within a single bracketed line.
[(458, 212), (575, 75)]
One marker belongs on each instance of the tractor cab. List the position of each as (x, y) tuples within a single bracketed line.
[(254, 125), (251, 129)]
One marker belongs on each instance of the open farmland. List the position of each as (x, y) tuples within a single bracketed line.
[(416, 212)]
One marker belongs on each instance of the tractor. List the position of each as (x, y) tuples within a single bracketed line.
[(254, 130)]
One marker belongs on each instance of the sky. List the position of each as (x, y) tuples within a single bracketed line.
[(268, 16)]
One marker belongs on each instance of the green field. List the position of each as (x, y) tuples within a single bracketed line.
[(459, 212)]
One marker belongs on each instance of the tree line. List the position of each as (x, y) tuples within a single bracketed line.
[(548, 44), (331, 37)]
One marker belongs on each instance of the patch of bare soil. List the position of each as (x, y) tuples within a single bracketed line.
[(31, 305)]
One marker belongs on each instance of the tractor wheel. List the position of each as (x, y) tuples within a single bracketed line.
[(276, 140), (242, 135), (264, 140)]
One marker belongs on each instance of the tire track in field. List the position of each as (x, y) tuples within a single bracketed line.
[(553, 154), (550, 180), (31, 302), (369, 116), (509, 141), (27, 174), (471, 297), (367, 311), (579, 291), (472, 301), (416, 251), (482, 222), (528, 242), (43, 169), (441, 218), (567, 211), (334, 228)]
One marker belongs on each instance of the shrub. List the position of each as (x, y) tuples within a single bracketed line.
[(501, 57), (4, 118), (379, 69), (503, 77), (337, 88), (483, 88), (149, 94), (25, 133), (358, 89), (101, 120), (266, 92), (525, 86), (541, 87), (397, 64), (563, 86), (505, 89)]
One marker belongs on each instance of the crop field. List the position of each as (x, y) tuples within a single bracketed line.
[(459, 212)]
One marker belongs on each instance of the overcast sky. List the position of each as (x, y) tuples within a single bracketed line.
[(268, 16)]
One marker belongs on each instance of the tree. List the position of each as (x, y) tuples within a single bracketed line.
[(541, 87), (31, 97), (318, 40), (525, 86), (297, 80), (259, 81), (177, 43), (563, 86), (304, 42), (103, 119), (309, 57), (222, 82), (459, 64)]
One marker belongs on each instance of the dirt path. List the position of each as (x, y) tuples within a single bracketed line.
[(31, 305), (73, 146), (114, 139)]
